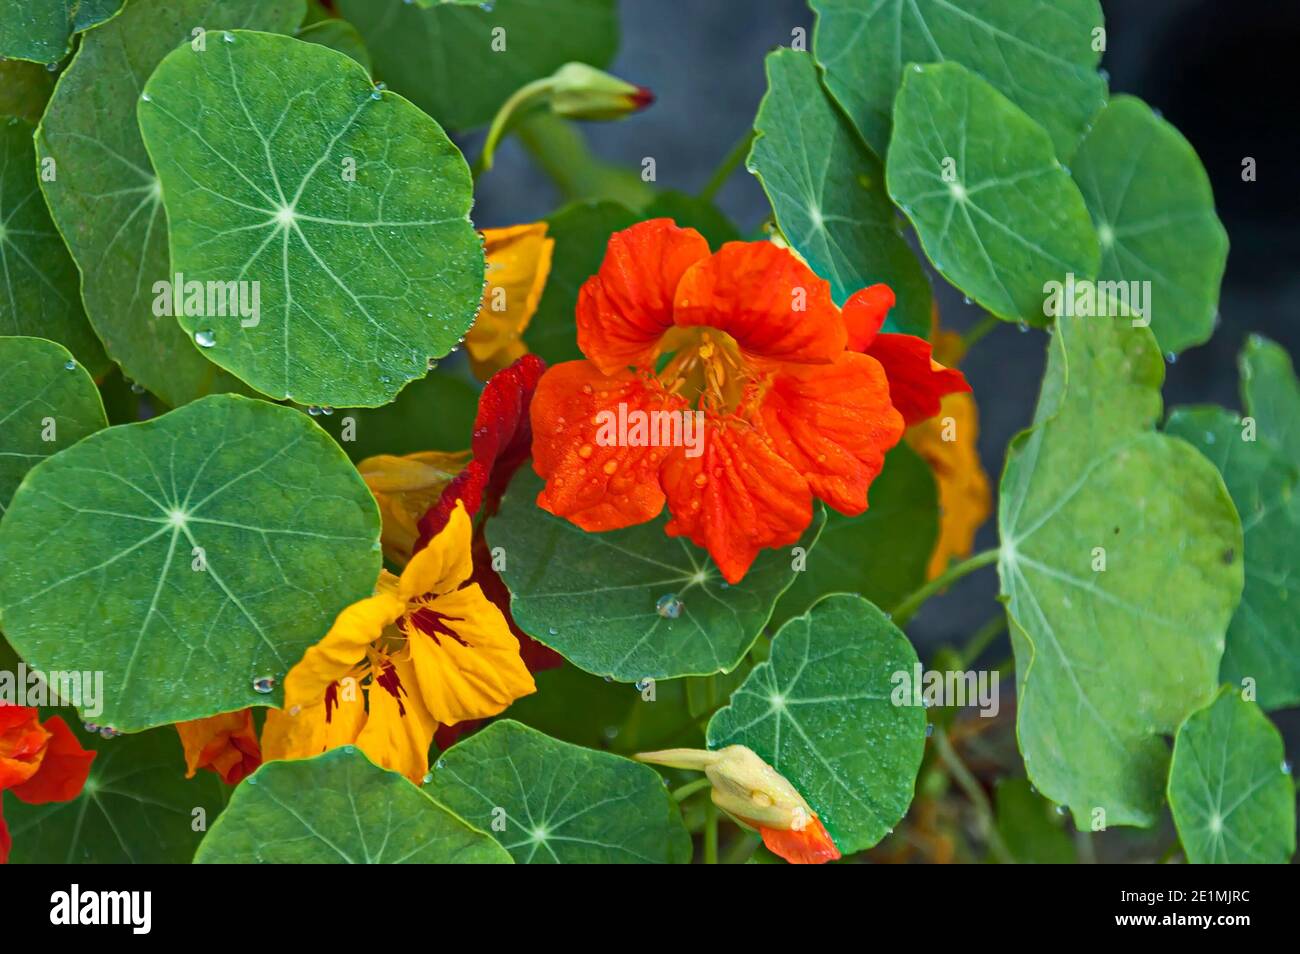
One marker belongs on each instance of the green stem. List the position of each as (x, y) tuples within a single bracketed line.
[(727, 167), (742, 849), (971, 786), (983, 637), (711, 834), (690, 788), (978, 331), (904, 610)]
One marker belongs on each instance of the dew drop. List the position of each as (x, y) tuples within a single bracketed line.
[(1286, 768), (228, 37), (251, 780), (327, 411), (929, 729), (1062, 809), (643, 684), (1171, 358), (1023, 327), (611, 732), (966, 299), (91, 727), (428, 777), (553, 631), (71, 365), (585, 451), (349, 749), (264, 684), (137, 387), (439, 764), (146, 97), (669, 606), (314, 411), (108, 732), (205, 338)]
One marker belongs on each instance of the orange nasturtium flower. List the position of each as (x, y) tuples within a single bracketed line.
[(798, 399), (518, 263), (39, 762), (405, 488), (226, 744), (427, 648)]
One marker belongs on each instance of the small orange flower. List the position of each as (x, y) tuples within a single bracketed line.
[(39, 762), (797, 400), (226, 744)]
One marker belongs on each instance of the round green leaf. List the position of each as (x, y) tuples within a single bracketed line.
[(549, 802), (192, 558), (42, 30), (1230, 787), (1271, 394), (882, 554), (105, 197), (38, 280), (1153, 207), (425, 49), (820, 712), (1040, 54), (593, 597), (996, 213), (49, 402), (282, 165), (1263, 642), (1120, 566), (340, 808), (828, 192), (24, 89)]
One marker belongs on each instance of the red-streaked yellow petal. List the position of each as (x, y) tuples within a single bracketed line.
[(302, 733), (916, 381), (518, 263), (595, 484), (833, 423), (625, 308), (772, 304), (226, 744), (445, 563), (812, 846), (736, 498), (63, 771), (399, 728), (466, 660), (405, 488)]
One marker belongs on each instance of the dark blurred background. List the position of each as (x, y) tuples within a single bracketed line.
[(1217, 70)]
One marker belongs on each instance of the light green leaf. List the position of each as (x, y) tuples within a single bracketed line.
[(137, 806), (560, 803), (44, 393), (340, 808), (42, 30), (828, 193), (347, 205), (38, 280), (425, 49), (882, 554), (995, 211), (1120, 566), (105, 197), (1230, 787), (287, 535), (593, 597), (1040, 54), (1030, 826), (24, 89), (337, 35), (1271, 393), (581, 231), (1153, 207), (820, 712), (1264, 639)]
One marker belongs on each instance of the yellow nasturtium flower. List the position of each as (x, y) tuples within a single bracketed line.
[(518, 264), (405, 487), (427, 649)]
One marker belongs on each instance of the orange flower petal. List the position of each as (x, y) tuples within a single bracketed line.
[(624, 309), (864, 314), (518, 262), (833, 423), (63, 771), (812, 846), (22, 744), (916, 381), (772, 304), (595, 484), (736, 498), (224, 743)]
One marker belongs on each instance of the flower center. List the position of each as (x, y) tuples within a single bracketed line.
[(704, 366)]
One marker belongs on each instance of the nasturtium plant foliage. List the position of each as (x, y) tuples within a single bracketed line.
[(350, 515)]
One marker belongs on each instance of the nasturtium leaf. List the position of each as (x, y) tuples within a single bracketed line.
[(340, 808), (104, 195), (1153, 208), (560, 803), (581, 231), (1029, 825), (137, 806), (1230, 787), (881, 554), (1271, 394), (434, 413), (1120, 565), (631, 604), (38, 279), (42, 30), (997, 214), (425, 49), (283, 168), (47, 402), (24, 89), (192, 558), (1040, 54), (690, 211), (337, 35), (828, 192), (820, 711), (1263, 643)]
